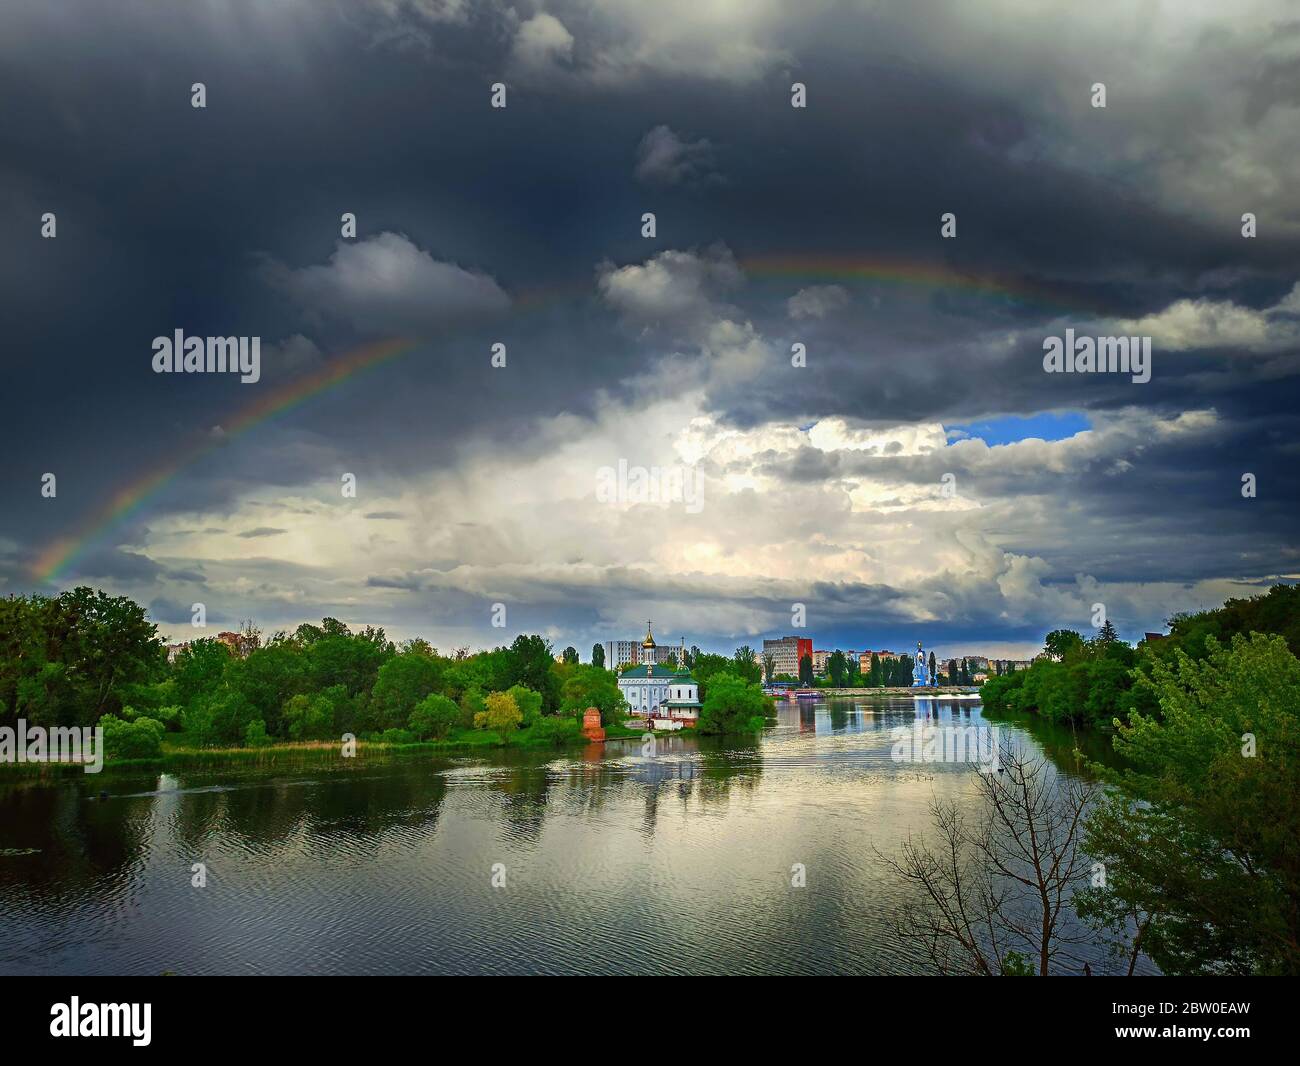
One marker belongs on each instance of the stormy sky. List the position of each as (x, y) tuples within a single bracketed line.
[(825, 484)]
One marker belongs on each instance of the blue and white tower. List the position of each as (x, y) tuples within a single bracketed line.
[(919, 672)]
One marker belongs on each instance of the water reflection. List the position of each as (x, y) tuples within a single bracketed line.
[(616, 860)]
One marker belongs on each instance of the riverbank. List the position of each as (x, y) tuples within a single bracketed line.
[(180, 753)]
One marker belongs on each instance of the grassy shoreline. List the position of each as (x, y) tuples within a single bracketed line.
[(179, 754)]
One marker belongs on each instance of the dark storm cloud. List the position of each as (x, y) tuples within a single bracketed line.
[(225, 221), (112, 564)]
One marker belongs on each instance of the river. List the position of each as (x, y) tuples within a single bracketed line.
[(605, 860)]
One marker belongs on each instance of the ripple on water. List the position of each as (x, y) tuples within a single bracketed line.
[(681, 863)]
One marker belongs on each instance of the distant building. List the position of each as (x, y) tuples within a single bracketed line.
[(618, 652), (658, 655), (173, 650), (621, 652), (1007, 665), (820, 659), (787, 653)]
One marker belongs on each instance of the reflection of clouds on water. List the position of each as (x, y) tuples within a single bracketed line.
[(618, 860)]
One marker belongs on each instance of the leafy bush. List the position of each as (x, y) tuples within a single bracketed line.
[(528, 702), (733, 705), (196, 723), (593, 686), (231, 716), (554, 730), (309, 717), (501, 714), (140, 739), (403, 682), (435, 717)]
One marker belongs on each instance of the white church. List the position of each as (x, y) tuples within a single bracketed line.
[(666, 697)]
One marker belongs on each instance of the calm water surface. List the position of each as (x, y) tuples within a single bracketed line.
[(614, 862)]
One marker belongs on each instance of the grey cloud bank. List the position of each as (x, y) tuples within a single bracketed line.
[(821, 483)]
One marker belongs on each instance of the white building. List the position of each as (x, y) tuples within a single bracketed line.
[(618, 652), (786, 653), (667, 697)]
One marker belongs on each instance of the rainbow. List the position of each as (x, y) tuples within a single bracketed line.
[(55, 559), (884, 270), (51, 562)]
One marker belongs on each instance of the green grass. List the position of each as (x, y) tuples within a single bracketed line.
[(180, 750)]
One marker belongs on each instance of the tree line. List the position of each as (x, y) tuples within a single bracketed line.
[(86, 658), (1098, 680)]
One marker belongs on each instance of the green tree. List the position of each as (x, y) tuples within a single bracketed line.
[(231, 715), (593, 686), (435, 717), (901, 671), (769, 667), (531, 662), (806, 675), (733, 705), (267, 679), (570, 654), (199, 668), (875, 677), (68, 659), (528, 702), (838, 668), (500, 714), (598, 655), (353, 660), (196, 724), (402, 682), (745, 664), (309, 717), (141, 739), (1201, 839), (1061, 642)]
